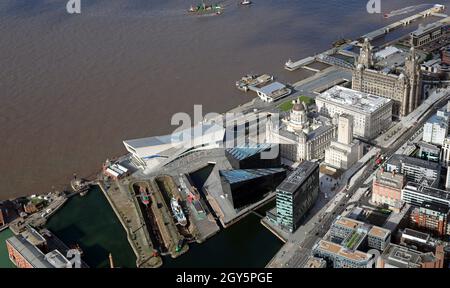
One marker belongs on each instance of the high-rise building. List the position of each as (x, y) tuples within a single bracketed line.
[(403, 88), (244, 187), (344, 152), (387, 189), (436, 129), (345, 129), (296, 195), (371, 114)]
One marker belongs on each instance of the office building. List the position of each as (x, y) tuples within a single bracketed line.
[(252, 157), (300, 136), (348, 241), (355, 235), (426, 34), (387, 189), (415, 169), (403, 87), (244, 187), (371, 114), (435, 130), (429, 151), (338, 256), (296, 195), (346, 151), (431, 217), (396, 256), (417, 194)]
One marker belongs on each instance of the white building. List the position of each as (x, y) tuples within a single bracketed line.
[(344, 152), (272, 91), (445, 152), (153, 152), (435, 130), (371, 114), (447, 180), (301, 137)]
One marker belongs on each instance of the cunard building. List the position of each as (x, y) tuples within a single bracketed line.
[(402, 86)]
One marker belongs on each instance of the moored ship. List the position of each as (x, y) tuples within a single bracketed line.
[(178, 212)]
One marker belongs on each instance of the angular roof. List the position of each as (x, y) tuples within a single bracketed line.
[(240, 175), (244, 152)]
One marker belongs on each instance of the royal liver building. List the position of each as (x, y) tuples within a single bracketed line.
[(403, 86)]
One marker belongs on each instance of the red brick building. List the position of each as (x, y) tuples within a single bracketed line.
[(387, 189), (432, 217)]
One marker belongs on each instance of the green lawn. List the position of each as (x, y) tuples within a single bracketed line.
[(287, 105)]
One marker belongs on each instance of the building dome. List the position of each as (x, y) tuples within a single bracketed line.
[(298, 105)]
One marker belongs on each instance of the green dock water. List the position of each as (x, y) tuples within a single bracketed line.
[(90, 222), (4, 258)]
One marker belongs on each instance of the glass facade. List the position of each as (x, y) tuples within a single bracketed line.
[(245, 187)]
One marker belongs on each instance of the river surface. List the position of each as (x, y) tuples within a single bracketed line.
[(72, 87)]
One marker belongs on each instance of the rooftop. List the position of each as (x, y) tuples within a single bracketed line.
[(271, 88), (239, 175), (426, 190), (28, 251), (389, 179), (353, 100), (244, 152), (336, 249), (379, 232), (175, 138), (426, 28), (397, 159), (296, 178), (403, 257), (428, 147), (416, 234), (347, 222), (441, 208)]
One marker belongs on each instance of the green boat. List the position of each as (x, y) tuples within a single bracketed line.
[(203, 9)]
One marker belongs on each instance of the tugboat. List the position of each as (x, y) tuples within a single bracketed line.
[(204, 9), (246, 2), (178, 212)]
